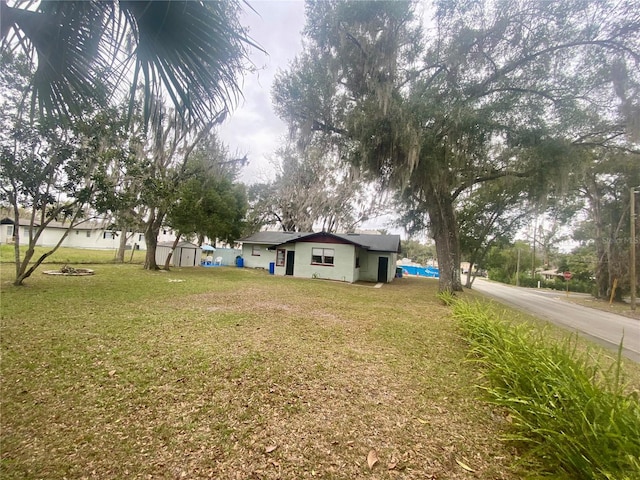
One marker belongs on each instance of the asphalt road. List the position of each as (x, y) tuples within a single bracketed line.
[(605, 328)]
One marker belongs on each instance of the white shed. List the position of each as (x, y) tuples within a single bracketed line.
[(186, 254)]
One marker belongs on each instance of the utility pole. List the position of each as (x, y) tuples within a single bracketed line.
[(518, 270), (533, 254), (632, 249)]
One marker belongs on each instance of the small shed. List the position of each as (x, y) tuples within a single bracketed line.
[(186, 254)]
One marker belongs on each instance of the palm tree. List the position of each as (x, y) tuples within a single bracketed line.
[(85, 51)]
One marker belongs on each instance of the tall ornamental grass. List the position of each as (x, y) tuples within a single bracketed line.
[(576, 417)]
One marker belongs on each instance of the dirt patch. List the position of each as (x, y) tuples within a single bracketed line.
[(71, 272)]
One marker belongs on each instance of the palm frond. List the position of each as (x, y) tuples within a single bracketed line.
[(189, 51)]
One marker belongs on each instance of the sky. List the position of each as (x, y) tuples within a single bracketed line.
[(253, 128)]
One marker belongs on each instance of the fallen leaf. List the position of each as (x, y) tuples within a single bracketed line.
[(270, 448), (112, 373), (465, 466), (372, 458), (392, 465), (424, 422)]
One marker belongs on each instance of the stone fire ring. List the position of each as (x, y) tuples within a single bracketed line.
[(79, 272)]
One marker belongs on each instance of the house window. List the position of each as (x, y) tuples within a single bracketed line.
[(140, 237), (280, 254), (322, 256), (358, 261), (255, 250), (108, 235), (9, 230), (88, 233)]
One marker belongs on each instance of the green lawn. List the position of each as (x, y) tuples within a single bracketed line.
[(69, 256), (231, 373)]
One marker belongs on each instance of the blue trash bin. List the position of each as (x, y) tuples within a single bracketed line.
[(239, 262), (272, 268)]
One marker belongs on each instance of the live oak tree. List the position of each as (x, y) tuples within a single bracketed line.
[(606, 187), (505, 263), (480, 91), (162, 175), (312, 189), (162, 163), (490, 215), (209, 203)]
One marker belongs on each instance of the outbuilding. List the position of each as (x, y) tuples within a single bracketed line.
[(186, 254)]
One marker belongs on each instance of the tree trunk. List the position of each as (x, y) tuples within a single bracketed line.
[(123, 244), (445, 233), (601, 270), (616, 265), (173, 247), (469, 281), (151, 232), (602, 252), (23, 271)]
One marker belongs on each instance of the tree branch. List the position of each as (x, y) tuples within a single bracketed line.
[(527, 58), (493, 175), (318, 126)]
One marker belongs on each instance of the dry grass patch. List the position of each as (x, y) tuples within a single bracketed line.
[(605, 306), (237, 374)]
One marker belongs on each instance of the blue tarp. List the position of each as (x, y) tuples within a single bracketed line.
[(430, 272)]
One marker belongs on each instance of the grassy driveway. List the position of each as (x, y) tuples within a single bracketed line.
[(229, 373)]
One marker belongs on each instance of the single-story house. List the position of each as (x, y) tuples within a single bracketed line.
[(186, 254), (87, 234), (550, 274), (346, 257)]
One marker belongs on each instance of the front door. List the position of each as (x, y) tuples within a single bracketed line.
[(383, 269), (291, 255)]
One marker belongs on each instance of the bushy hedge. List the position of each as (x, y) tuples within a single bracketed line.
[(574, 417), (579, 285)]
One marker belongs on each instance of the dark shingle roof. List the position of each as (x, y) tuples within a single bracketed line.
[(273, 238), (378, 243)]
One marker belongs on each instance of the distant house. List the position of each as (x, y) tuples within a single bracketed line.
[(83, 235), (185, 254), (346, 257), (550, 274)]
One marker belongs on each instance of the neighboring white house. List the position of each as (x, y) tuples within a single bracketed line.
[(346, 257), (550, 274), (88, 234), (84, 235), (185, 254)]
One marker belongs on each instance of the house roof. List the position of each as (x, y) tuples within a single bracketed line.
[(272, 238), (83, 225), (373, 242), (550, 272), (180, 245)]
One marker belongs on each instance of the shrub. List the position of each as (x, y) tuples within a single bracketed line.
[(574, 416)]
